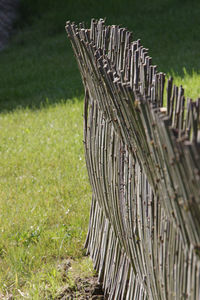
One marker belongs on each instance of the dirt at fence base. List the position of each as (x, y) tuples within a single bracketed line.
[(85, 284), (87, 288)]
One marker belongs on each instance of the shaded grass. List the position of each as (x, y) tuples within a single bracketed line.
[(40, 63)]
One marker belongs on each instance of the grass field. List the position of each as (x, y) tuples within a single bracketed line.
[(44, 196), (44, 190)]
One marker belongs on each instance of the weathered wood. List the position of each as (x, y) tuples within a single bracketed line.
[(143, 162)]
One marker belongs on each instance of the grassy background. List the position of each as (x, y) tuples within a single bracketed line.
[(44, 190), (39, 64)]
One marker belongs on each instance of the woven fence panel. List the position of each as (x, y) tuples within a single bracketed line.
[(143, 161)]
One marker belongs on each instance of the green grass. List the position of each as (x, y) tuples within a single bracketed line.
[(44, 189), (40, 63), (44, 194)]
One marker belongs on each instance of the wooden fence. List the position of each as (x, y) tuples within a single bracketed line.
[(142, 149)]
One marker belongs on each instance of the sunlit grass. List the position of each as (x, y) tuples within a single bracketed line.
[(44, 194), (190, 83)]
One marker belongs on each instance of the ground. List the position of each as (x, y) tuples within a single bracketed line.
[(78, 287)]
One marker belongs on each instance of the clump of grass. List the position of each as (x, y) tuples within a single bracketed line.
[(82, 268)]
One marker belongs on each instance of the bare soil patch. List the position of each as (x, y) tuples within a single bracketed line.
[(83, 287)]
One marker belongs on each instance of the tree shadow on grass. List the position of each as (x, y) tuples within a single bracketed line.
[(39, 64), (31, 77)]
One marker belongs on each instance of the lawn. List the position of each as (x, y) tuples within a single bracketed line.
[(44, 190), (44, 195)]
